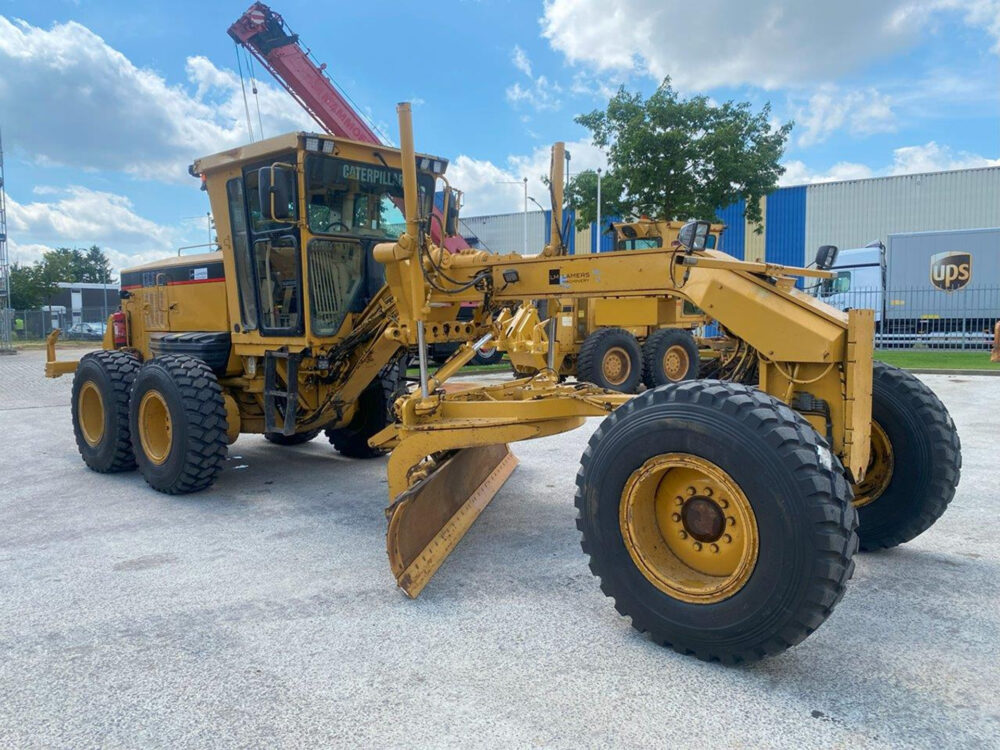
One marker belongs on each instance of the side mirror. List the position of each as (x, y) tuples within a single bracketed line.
[(276, 185), (451, 200), (826, 257), (694, 235)]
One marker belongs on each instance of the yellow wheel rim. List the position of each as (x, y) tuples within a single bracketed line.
[(879, 472), (90, 410), (155, 428), (676, 363), (616, 366), (689, 528)]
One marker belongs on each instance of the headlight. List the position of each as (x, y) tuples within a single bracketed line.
[(312, 144), (327, 147)]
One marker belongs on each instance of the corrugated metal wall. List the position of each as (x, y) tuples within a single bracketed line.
[(755, 235), (504, 233), (852, 214), (732, 238), (785, 212), (797, 220)]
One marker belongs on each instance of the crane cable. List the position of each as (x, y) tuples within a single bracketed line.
[(246, 104), (253, 87)]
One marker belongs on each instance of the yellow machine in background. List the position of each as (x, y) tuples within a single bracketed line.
[(619, 342), (718, 515)]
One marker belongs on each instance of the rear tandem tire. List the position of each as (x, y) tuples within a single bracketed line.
[(669, 355), (177, 417), (722, 475), (610, 358), (896, 506), (101, 388)]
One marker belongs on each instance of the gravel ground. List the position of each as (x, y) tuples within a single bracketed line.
[(262, 613)]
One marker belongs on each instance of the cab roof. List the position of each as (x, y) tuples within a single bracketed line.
[(290, 141)]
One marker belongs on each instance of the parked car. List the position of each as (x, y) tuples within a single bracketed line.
[(85, 331)]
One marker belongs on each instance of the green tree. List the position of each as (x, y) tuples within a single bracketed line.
[(581, 194), (686, 158), (34, 285), (30, 286), (97, 267)]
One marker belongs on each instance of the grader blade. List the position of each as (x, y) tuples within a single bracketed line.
[(429, 519)]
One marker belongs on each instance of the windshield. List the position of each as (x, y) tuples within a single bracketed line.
[(348, 197)]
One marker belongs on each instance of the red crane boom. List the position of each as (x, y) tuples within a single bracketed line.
[(267, 37)]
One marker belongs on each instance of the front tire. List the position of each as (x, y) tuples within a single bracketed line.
[(101, 388), (373, 414), (298, 438), (177, 417), (717, 519), (915, 464)]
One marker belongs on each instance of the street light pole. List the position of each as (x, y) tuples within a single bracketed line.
[(597, 244), (525, 215)]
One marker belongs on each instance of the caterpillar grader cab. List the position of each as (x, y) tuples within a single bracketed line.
[(721, 515)]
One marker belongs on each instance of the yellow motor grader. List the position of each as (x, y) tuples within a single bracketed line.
[(721, 516), (621, 342)]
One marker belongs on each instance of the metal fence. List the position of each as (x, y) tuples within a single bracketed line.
[(924, 318), (906, 318), (84, 324)]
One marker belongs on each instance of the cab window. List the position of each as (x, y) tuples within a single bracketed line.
[(640, 243), (366, 200), (257, 221), (838, 285)]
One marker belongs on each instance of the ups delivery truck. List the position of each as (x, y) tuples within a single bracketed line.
[(940, 288)]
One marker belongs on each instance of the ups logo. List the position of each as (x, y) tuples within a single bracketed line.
[(951, 271)]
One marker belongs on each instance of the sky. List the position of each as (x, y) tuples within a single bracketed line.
[(103, 105)]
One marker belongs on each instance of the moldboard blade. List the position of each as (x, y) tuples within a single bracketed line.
[(429, 519)]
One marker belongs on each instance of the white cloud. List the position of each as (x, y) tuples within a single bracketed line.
[(69, 98), (797, 173), (540, 93), (767, 43), (493, 189), (831, 108), (930, 157), (520, 59), (80, 217)]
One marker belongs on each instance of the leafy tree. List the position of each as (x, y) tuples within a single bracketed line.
[(30, 286), (581, 194), (34, 285), (685, 158)]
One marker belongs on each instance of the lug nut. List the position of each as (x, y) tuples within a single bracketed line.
[(683, 535), (675, 516), (679, 500), (692, 491), (707, 492), (727, 538), (715, 548), (724, 503), (697, 546), (730, 520)]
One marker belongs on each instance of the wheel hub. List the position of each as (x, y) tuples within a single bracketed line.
[(689, 528), (155, 427), (616, 365), (90, 407), (880, 466), (675, 363), (703, 519)]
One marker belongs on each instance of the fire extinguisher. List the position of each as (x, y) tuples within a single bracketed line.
[(119, 329)]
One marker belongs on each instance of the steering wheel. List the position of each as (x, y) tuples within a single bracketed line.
[(334, 224)]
